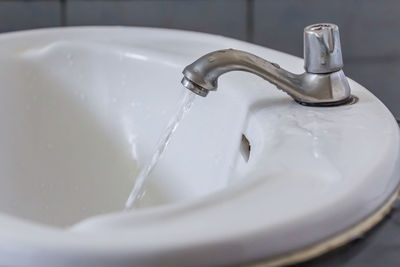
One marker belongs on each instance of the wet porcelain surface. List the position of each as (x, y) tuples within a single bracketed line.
[(80, 117)]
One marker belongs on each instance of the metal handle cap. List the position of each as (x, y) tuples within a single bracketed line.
[(322, 51)]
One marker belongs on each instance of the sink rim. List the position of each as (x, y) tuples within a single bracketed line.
[(73, 241)]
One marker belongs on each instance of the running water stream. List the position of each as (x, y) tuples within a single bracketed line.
[(137, 192)]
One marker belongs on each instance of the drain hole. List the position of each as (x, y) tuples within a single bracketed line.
[(245, 148)]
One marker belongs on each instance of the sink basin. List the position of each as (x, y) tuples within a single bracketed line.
[(248, 176), (81, 120)]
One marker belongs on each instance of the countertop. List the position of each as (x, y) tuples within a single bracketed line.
[(378, 247)]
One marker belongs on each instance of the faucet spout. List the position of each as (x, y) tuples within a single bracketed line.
[(327, 86)]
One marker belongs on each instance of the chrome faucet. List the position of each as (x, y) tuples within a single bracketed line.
[(322, 84)]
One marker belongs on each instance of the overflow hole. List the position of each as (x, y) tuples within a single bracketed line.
[(245, 148)]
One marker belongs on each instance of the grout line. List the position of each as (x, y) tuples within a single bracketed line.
[(250, 21), (63, 13), (372, 59)]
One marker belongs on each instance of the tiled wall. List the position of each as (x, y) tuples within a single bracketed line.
[(370, 30)]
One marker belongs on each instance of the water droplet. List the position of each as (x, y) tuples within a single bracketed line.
[(132, 142), (70, 58), (275, 65)]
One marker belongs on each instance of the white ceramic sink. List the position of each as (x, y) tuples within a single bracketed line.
[(81, 110)]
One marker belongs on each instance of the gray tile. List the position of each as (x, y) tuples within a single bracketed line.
[(381, 78), (21, 15), (224, 17), (368, 28)]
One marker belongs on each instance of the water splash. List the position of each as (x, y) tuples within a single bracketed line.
[(137, 192)]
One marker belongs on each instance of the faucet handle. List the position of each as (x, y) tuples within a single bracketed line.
[(322, 51)]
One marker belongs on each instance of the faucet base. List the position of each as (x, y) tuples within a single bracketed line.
[(348, 101)]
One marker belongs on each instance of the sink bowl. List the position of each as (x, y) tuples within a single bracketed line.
[(248, 176)]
